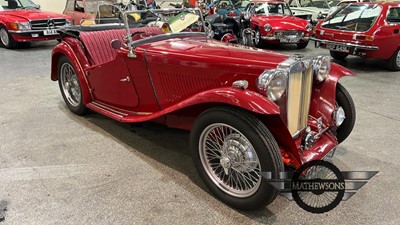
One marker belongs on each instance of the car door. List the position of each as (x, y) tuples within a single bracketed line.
[(79, 11), (113, 85), (69, 8), (392, 31)]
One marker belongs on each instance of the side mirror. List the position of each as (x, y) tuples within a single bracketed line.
[(37, 6), (116, 44)]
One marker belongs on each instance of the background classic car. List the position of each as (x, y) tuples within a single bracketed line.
[(273, 22), (22, 22), (257, 111), (318, 9), (369, 30)]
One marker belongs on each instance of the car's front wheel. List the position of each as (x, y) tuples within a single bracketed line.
[(338, 55), (6, 40), (258, 42), (230, 147), (344, 100), (70, 86), (302, 45)]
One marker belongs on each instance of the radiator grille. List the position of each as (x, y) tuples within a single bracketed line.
[(299, 96), (47, 23)]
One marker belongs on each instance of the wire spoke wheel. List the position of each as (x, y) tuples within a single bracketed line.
[(230, 160), (70, 84)]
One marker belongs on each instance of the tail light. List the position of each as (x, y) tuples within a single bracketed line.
[(362, 37), (232, 13)]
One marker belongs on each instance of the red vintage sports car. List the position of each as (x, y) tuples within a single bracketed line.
[(370, 30), (21, 22), (248, 110), (273, 22)]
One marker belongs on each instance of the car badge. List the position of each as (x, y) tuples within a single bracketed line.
[(182, 17), (50, 23)]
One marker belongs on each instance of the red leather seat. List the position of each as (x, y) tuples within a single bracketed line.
[(98, 43)]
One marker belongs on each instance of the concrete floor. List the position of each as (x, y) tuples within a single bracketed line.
[(59, 168)]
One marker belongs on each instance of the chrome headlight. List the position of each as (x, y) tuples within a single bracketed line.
[(309, 28), (267, 27), (69, 23), (24, 26), (272, 83), (322, 66)]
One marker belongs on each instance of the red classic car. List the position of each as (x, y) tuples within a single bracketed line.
[(22, 21), (370, 30), (273, 22), (248, 110)]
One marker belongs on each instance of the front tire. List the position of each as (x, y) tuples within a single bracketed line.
[(258, 42), (344, 100), (6, 40), (302, 45), (230, 147), (338, 55), (70, 86)]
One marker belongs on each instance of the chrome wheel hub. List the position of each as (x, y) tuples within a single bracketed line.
[(70, 84), (398, 59), (4, 37), (230, 160)]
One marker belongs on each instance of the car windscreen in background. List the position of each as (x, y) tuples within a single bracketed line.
[(353, 18)]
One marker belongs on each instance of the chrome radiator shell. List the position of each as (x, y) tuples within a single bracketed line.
[(298, 96)]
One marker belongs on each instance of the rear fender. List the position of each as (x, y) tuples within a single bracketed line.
[(64, 49), (323, 100)]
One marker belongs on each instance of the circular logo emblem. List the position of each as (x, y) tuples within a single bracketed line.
[(318, 186), (50, 23)]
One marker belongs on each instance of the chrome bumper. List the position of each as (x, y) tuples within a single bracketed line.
[(318, 42), (28, 31), (276, 38)]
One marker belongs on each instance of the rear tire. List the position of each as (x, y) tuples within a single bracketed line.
[(339, 55), (344, 100), (232, 145), (6, 40), (70, 86), (394, 62)]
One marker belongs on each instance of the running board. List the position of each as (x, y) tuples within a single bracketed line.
[(132, 117)]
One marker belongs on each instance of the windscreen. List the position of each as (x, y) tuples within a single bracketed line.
[(272, 8), (354, 17), (168, 21), (319, 4)]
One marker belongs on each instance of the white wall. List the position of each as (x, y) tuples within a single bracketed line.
[(51, 5)]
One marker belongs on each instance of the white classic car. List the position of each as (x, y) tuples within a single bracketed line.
[(319, 9)]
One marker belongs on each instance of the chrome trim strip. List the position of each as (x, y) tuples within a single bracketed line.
[(366, 47), (151, 79)]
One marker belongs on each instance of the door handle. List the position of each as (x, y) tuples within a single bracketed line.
[(126, 79), (396, 31)]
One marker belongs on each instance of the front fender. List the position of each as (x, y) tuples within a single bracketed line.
[(64, 49), (323, 100), (246, 99)]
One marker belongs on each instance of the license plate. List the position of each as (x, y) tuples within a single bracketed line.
[(289, 39), (50, 32), (339, 48)]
